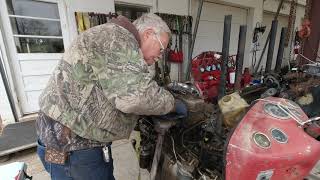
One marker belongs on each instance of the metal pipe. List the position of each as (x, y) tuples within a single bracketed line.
[(156, 157), (7, 89), (273, 36), (280, 50), (240, 55), (225, 55), (193, 40), (268, 38), (180, 34)]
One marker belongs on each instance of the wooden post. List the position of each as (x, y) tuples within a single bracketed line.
[(311, 44)]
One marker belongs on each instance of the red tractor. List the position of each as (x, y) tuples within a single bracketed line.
[(272, 139)]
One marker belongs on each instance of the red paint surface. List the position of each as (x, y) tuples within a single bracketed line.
[(208, 79), (289, 161)]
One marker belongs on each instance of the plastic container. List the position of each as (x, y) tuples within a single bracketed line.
[(232, 107)]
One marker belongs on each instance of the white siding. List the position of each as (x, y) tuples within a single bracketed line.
[(5, 110)]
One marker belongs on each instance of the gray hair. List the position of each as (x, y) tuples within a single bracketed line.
[(150, 20)]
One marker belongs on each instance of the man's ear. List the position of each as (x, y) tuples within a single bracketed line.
[(147, 33)]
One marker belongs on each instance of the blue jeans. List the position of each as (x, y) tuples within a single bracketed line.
[(85, 164)]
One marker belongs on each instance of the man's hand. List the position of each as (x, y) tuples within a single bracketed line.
[(180, 108)]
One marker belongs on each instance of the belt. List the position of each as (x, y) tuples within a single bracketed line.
[(59, 157)]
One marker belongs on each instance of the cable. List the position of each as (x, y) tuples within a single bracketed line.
[(307, 58), (173, 148)]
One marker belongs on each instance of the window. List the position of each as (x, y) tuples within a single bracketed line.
[(36, 26)]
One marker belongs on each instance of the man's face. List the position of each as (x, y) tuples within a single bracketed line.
[(153, 45)]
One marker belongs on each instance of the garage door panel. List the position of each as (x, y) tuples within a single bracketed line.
[(207, 44), (234, 38), (210, 31), (210, 28), (211, 10), (214, 42)]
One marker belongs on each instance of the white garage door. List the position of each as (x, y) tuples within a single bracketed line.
[(210, 31), (282, 22)]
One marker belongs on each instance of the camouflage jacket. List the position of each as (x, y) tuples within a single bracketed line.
[(102, 84)]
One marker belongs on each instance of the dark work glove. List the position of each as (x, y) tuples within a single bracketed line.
[(181, 108), (179, 111)]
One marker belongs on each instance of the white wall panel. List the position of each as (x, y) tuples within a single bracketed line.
[(210, 31), (178, 7), (32, 83), (29, 68), (5, 109), (136, 2), (33, 98), (99, 6)]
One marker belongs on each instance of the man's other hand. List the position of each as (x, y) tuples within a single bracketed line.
[(180, 108)]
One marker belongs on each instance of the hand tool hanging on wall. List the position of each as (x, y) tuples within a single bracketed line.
[(79, 20), (171, 20), (177, 24), (176, 54), (86, 20)]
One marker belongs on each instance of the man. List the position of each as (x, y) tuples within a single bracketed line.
[(96, 93)]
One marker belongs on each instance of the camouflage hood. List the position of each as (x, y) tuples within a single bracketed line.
[(102, 84)]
